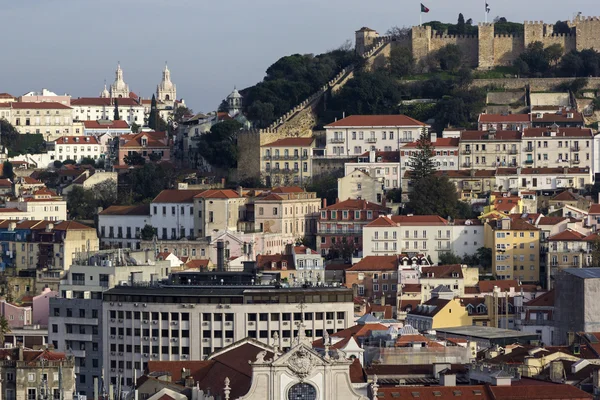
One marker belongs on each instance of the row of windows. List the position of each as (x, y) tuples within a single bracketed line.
[(345, 214), (82, 148)]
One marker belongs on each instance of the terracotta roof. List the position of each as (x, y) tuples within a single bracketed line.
[(407, 305), (376, 263), (102, 101), (567, 235), (439, 142), (545, 300), (357, 375), (29, 181), (551, 391), (291, 142), (10, 210), (71, 225), (176, 196), (411, 288), (442, 271), (375, 120), (484, 135), (486, 118), (118, 124), (559, 116), (594, 209), (265, 262), (592, 237), (518, 224), (356, 331), (566, 195), (551, 220), (5, 183), (218, 194), (560, 132), (471, 222), (430, 308), (554, 171), (387, 310), (353, 204), (287, 189), (153, 139), (419, 220), (382, 221), (6, 96), (302, 250), (382, 156), (197, 264), (77, 140), (504, 285), (46, 105)]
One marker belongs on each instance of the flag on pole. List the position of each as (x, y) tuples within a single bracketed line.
[(424, 9), (487, 8)]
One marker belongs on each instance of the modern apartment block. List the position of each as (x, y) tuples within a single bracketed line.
[(76, 319), (180, 322)]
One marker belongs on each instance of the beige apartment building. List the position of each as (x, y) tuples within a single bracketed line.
[(557, 147), (289, 211), (53, 120), (287, 161), (217, 210), (489, 149)]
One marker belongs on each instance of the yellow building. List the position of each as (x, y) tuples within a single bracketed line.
[(504, 204), (442, 311), (52, 120), (515, 245), (287, 161)]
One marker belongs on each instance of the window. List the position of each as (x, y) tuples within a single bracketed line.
[(302, 391), (376, 288)]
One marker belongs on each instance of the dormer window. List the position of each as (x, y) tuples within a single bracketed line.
[(455, 274), (144, 141), (284, 265), (273, 265)]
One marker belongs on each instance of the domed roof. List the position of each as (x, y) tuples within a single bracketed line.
[(235, 95)]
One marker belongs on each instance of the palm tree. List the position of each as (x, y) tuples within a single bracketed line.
[(4, 329)]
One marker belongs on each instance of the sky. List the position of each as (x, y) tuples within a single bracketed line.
[(72, 46)]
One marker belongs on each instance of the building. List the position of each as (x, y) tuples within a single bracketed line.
[(76, 318), (504, 122), (33, 374), (52, 120), (103, 108), (356, 134), (543, 179), (361, 185), (121, 226), (537, 316), (563, 117), (557, 147), (568, 249), (77, 148), (383, 166), (375, 277), (152, 146), (166, 91), (344, 222), (119, 89), (446, 152), (569, 198), (490, 149), (161, 323), (287, 161), (216, 210), (103, 126), (172, 214), (17, 316), (576, 286), (441, 311), (515, 245), (45, 95), (42, 204)]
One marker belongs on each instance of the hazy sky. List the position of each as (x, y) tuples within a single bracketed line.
[(73, 45)]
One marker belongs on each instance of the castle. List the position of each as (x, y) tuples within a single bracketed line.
[(487, 49)]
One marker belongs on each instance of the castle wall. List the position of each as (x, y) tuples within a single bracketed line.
[(587, 32), (536, 84), (486, 45), (420, 42), (469, 46), (507, 48), (567, 42)]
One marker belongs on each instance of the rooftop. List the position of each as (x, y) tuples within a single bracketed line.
[(484, 332), (584, 273), (375, 121)]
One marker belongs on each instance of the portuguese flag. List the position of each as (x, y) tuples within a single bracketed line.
[(424, 9)]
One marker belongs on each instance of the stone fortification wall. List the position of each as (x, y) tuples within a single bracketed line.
[(467, 44), (536, 84)]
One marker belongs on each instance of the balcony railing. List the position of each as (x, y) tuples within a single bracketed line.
[(371, 140), (528, 149), (575, 148), (575, 161), (528, 161), (465, 152), (513, 151), (337, 140)]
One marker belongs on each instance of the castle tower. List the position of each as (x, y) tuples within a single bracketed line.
[(365, 37), (534, 31), (234, 103), (166, 90), (587, 30), (119, 88), (421, 42), (485, 58)]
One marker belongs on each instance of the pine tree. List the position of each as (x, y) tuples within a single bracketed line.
[(460, 26), (116, 116), (153, 117), (422, 163)]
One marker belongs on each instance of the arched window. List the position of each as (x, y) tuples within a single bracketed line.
[(302, 391), (167, 97)]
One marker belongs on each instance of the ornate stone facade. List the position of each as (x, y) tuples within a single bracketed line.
[(166, 91)]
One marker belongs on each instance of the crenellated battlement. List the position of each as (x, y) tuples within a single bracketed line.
[(438, 35)]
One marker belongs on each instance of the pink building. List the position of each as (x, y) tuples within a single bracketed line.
[(16, 316), (145, 144), (45, 96), (41, 307)]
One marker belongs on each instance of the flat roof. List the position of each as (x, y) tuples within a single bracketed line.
[(485, 332), (216, 290), (584, 273)]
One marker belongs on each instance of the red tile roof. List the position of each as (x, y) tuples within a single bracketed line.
[(559, 116), (77, 140), (419, 220), (501, 118), (5, 183), (356, 331), (594, 209), (376, 263), (439, 142), (291, 142), (266, 262), (411, 288), (302, 250), (430, 308), (71, 226), (176, 196), (545, 300), (558, 132), (153, 140), (218, 194), (551, 220), (382, 156), (551, 391), (504, 285), (143, 209), (353, 204), (376, 120), (118, 124), (382, 221), (567, 235), (481, 135), (287, 189), (102, 101), (442, 271), (46, 105), (566, 196), (197, 264)]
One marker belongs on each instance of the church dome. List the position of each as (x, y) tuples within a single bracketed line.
[(235, 95)]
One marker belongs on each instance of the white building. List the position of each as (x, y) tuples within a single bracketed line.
[(121, 226), (309, 264), (557, 147), (77, 148), (446, 153), (103, 108), (46, 95), (172, 212), (42, 204), (352, 136), (166, 91), (544, 178), (381, 165), (429, 235), (358, 184), (101, 127)]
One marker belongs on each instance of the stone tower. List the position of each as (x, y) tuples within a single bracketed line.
[(485, 55), (587, 32), (119, 88), (421, 42), (365, 37), (105, 94), (234, 103), (166, 90)]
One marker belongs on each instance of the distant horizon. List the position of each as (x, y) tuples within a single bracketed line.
[(210, 49)]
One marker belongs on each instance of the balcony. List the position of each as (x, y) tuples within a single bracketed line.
[(371, 140), (406, 140), (466, 152), (337, 140), (79, 337), (575, 161), (304, 156), (575, 148), (78, 282), (466, 165), (513, 151), (528, 162), (528, 149)]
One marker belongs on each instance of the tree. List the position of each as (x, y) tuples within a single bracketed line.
[(325, 185), (135, 128), (148, 232), (7, 170), (449, 57), (181, 113), (116, 116), (521, 67), (536, 58), (433, 195), (261, 113), (87, 161), (154, 157), (4, 328), (401, 61), (105, 193), (460, 25), (449, 258), (342, 249), (69, 161), (134, 158), (57, 164), (147, 182), (8, 134), (218, 146), (553, 54), (464, 210), (484, 255), (397, 32), (422, 162), (153, 116), (81, 203), (394, 195), (561, 28)]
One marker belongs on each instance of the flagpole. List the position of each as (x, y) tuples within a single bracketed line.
[(485, 9), (420, 18)]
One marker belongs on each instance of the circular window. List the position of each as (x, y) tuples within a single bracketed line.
[(302, 391)]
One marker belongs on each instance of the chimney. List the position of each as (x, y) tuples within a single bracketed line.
[(220, 256), (448, 379), (223, 181), (337, 200), (240, 191), (289, 249), (557, 371), (383, 200), (371, 156), (325, 201), (433, 137)]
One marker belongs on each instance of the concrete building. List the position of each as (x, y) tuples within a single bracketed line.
[(537, 316), (216, 210), (557, 147), (121, 226), (568, 249), (576, 286), (16, 316), (383, 166), (375, 277), (52, 120), (146, 144), (446, 153), (441, 311), (100, 127), (77, 148), (99, 108), (504, 122), (356, 134), (172, 323), (76, 318), (490, 149), (172, 213), (360, 185), (287, 162), (45, 95)]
